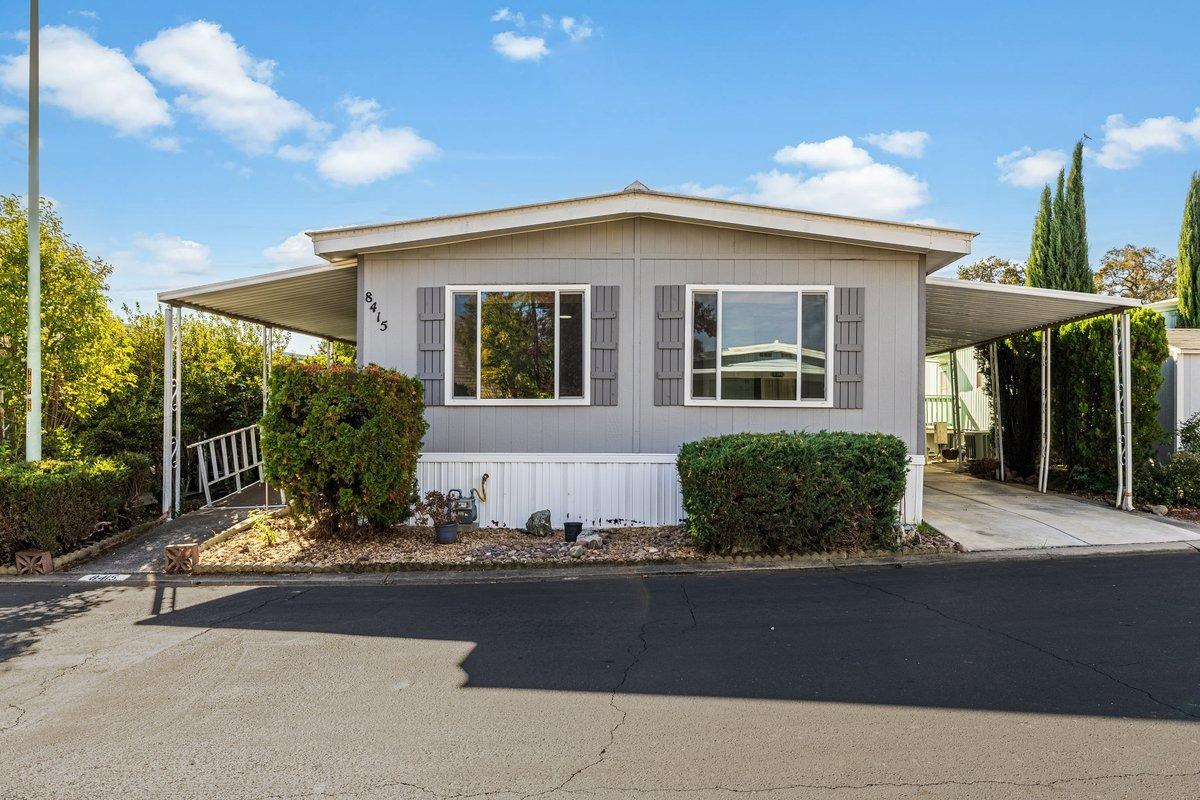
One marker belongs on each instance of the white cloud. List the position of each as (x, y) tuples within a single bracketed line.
[(224, 86), (296, 152), (294, 251), (162, 261), (168, 144), (910, 144), (361, 110), (368, 154), (836, 153), (1124, 144), (520, 48), (89, 81), (836, 178), (873, 190), (10, 115), (1025, 167), (505, 15), (575, 30)]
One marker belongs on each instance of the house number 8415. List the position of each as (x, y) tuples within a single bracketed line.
[(373, 307)]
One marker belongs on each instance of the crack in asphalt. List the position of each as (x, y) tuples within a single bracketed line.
[(1013, 638), (838, 787), (46, 682)]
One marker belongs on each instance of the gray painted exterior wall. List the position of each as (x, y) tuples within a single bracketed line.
[(637, 255)]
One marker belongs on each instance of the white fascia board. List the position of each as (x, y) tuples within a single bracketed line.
[(252, 280), (943, 245), (1100, 301)]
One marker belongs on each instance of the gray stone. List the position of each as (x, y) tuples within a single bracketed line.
[(539, 524), (577, 551), (1160, 511), (146, 499), (590, 539)]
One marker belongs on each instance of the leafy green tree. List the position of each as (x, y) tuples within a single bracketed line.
[(1040, 268), (221, 384), (994, 269), (1141, 272), (84, 355), (1189, 258)]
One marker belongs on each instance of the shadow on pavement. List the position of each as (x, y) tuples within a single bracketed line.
[(1111, 636), (28, 611)]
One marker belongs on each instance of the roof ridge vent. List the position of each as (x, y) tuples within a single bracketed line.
[(636, 186)]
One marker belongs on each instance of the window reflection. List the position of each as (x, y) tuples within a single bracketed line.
[(758, 345), (517, 346), (704, 344)]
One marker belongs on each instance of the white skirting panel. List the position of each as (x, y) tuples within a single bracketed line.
[(914, 491), (599, 489)]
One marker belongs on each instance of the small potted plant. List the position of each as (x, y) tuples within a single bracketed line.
[(437, 508), (572, 529)]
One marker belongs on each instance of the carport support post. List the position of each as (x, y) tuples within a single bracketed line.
[(168, 416), (1044, 466), (177, 402), (268, 356), (998, 421), (1127, 411), (955, 419)]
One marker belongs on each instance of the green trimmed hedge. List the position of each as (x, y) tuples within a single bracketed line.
[(55, 505), (343, 443), (793, 492)]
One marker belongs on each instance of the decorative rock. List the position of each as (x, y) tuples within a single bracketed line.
[(1160, 511), (181, 557), (577, 551), (590, 539), (146, 499), (539, 524)]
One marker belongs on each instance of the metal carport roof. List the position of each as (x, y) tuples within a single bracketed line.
[(961, 314), (319, 301)]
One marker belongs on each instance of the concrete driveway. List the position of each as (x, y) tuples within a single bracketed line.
[(987, 515), (931, 682)]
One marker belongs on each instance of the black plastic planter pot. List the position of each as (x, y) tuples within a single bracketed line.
[(447, 534), (571, 530)]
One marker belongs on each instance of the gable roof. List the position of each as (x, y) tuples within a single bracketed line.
[(941, 246)]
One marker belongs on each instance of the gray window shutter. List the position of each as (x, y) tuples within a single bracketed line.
[(668, 345), (431, 343), (849, 312), (604, 345)]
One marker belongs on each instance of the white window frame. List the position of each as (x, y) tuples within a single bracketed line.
[(558, 289), (719, 289)]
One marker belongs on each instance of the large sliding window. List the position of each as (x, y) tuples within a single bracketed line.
[(521, 345), (758, 345)]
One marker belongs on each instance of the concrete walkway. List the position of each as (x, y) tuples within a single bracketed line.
[(986, 515), (146, 554)]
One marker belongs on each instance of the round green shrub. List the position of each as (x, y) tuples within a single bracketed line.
[(55, 505), (343, 443), (792, 492)]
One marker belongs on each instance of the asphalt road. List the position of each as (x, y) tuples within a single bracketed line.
[(1042, 679)]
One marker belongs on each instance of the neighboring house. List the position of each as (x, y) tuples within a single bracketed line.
[(974, 405), (569, 348), (1179, 394)]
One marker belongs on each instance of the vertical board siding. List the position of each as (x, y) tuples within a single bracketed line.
[(431, 342), (600, 492), (668, 345), (671, 253), (849, 311), (605, 336)]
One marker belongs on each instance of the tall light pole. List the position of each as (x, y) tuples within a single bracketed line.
[(33, 340)]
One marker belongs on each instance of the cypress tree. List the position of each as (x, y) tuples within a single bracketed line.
[(1041, 250), (1187, 275), (1053, 270), (1076, 273)]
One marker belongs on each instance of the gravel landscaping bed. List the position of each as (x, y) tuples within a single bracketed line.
[(415, 547)]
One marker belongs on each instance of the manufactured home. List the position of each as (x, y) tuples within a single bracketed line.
[(569, 348)]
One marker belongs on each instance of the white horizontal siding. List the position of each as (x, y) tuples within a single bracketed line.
[(598, 489)]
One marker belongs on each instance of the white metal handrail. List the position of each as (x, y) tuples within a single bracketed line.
[(230, 455)]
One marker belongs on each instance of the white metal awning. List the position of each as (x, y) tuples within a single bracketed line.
[(319, 301), (962, 314)]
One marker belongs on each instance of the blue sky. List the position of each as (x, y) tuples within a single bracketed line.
[(187, 142)]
